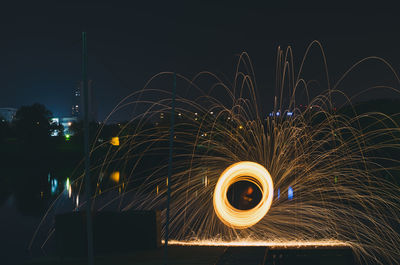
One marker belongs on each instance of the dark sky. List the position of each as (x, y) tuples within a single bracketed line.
[(40, 48)]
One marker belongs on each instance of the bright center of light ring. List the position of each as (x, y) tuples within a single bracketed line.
[(243, 171)]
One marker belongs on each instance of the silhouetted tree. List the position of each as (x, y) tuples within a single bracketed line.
[(78, 131), (77, 128), (32, 123), (4, 129)]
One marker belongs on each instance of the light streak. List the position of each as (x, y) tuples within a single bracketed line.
[(272, 244), (308, 151), (243, 171)]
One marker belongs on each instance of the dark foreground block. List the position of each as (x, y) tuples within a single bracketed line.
[(252, 255), (112, 232), (310, 256), (243, 255)]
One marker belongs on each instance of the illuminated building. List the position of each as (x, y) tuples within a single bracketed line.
[(66, 122), (77, 103)]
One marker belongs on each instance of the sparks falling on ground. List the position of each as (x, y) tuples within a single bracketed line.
[(271, 244), (331, 172)]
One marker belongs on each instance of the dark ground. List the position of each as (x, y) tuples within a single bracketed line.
[(203, 255)]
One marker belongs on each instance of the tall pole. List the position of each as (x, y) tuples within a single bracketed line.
[(89, 224), (171, 147)]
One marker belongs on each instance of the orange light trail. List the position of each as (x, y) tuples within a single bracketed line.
[(247, 171), (273, 244)]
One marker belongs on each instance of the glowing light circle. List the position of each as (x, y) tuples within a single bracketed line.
[(243, 171)]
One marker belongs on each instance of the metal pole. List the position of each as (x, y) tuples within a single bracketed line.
[(89, 224), (171, 146)]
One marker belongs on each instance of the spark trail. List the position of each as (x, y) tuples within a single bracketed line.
[(340, 165)]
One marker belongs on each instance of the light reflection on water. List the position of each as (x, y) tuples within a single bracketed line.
[(32, 190), (54, 186), (25, 196)]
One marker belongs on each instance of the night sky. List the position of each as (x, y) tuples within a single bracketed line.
[(40, 46)]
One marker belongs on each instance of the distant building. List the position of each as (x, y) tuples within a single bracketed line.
[(8, 114), (66, 122), (76, 102), (77, 106), (286, 113)]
